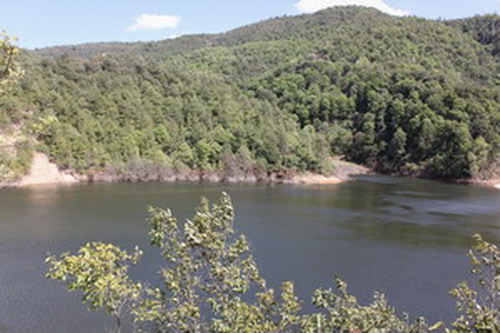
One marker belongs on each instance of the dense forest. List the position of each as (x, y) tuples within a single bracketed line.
[(400, 95)]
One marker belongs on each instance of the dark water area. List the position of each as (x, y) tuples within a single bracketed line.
[(404, 237)]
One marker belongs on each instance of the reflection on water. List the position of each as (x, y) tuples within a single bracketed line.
[(404, 237)]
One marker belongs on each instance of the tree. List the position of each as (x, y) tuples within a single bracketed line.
[(14, 162), (211, 283), (364, 148), (9, 68), (100, 272), (454, 152), (208, 268), (397, 150), (343, 313), (480, 308)]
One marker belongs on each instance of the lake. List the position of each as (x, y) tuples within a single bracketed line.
[(404, 237)]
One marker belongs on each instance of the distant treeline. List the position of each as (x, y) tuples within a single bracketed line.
[(401, 95)]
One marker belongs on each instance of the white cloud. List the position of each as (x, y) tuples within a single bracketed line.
[(311, 6), (154, 22)]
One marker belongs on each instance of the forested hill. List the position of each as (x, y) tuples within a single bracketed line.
[(401, 95)]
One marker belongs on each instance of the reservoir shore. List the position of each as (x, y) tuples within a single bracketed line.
[(44, 172)]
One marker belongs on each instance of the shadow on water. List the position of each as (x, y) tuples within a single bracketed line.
[(405, 212)]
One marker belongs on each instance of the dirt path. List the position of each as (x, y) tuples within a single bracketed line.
[(45, 172)]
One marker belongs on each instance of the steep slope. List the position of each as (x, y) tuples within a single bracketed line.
[(43, 172)]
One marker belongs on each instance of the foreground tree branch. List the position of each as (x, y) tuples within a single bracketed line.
[(211, 283)]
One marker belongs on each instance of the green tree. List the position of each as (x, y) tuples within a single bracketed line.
[(397, 150), (480, 308), (364, 148), (207, 264), (9, 67), (100, 272), (454, 152), (343, 313), (211, 283), (15, 161)]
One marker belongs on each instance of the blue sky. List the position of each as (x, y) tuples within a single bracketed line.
[(39, 23)]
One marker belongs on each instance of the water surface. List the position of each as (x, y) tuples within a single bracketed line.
[(404, 237)]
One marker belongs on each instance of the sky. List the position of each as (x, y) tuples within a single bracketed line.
[(40, 23)]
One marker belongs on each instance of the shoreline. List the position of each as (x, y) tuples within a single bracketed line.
[(491, 183), (65, 178), (308, 178), (193, 177), (44, 172)]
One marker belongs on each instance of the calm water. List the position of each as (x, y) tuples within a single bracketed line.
[(406, 238)]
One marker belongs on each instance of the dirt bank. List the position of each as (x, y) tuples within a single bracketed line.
[(495, 183), (314, 179), (43, 172), (343, 173)]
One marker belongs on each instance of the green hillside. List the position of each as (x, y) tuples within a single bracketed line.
[(401, 95)]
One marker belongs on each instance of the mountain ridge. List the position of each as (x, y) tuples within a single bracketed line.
[(217, 39)]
